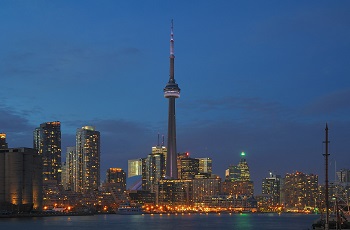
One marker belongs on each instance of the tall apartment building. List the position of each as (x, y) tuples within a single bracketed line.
[(272, 186), (116, 180), (47, 141), (300, 190), (86, 168), (69, 171), (153, 170), (204, 188)]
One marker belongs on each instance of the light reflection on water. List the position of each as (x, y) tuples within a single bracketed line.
[(167, 222)]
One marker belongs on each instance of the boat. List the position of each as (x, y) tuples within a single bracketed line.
[(129, 209)]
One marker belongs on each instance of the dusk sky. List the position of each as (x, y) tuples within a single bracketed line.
[(261, 77)]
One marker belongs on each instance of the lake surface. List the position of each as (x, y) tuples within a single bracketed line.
[(251, 221)]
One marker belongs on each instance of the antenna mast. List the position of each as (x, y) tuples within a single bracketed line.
[(172, 38), (326, 226)]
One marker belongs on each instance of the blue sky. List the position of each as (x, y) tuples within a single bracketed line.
[(256, 76)]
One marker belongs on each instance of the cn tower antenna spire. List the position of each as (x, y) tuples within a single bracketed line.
[(172, 38)]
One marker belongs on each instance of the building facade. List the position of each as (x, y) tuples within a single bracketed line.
[(153, 171), (116, 183), (300, 191), (86, 167), (204, 188), (134, 167), (271, 186), (174, 192), (189, 168), (21, 179), (205, 165), (47, 141), (69, 171)]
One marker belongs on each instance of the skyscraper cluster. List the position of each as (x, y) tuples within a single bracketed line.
[(237, 179), (31, 178), (81, 170)]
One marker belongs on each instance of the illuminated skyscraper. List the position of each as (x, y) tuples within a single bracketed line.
[(243, 168), (272, 186), (171, 91), (134, 167), (300, 190), (181, 156), (47, 140), (69, 169), (205, 165), (161, 149), (153, 170), (3, 144), (238, 172), (237, 180), (87, 160), (189, 167), (116, 180)]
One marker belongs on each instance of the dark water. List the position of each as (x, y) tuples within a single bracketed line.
[(194, 221)]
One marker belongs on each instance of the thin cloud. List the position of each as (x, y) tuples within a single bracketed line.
[(251, 106), (332, 103)]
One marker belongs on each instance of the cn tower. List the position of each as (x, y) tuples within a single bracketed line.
[(171, 91)]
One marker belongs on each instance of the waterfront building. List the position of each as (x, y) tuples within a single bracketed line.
[(117, 178), (300, 191), (47, 141), (232, 203), (3, 144), (234, 188), (116, 183), (171, 92), (205, 187), (142, 197), (21, 179), (134, 167), (87, 160), (272, 186), (174, 192)]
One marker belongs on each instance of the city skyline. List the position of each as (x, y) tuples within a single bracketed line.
[(261, 78)]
